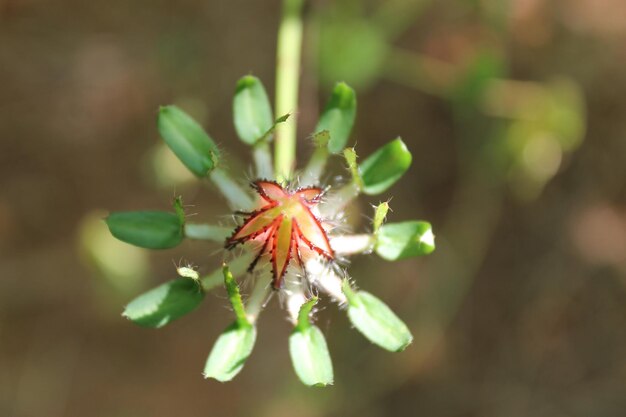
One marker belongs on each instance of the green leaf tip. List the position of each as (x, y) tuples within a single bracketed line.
[(385, 166), (252, 111), (282, 119), (374, 320), (402, 240), (309, 351), (146, 229), (338, 117), (165, 303)]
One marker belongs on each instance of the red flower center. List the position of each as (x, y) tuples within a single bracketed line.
[(285, 227)]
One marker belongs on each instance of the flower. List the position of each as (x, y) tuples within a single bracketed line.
[(290, 236)]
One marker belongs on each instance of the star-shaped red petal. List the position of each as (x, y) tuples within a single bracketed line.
[(284, 226)]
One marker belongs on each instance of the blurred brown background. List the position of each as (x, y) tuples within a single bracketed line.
[(515, 112)]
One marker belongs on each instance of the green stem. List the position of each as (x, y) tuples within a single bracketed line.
[(237, 266), (287, 77), (207, 232), (263, 161), (259, 297), (233, 192)]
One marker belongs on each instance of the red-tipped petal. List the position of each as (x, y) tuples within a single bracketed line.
[(257, 223), (313, 234), (270, 191), (310, 194), (281, 251)]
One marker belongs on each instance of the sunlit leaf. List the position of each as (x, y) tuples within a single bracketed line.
[(146, 229), (251, 110), (310, 357), (230, 352), (188, 140), (404, 240), (338, 117), (376, 321), (309, 352), (385, 166), (165, 303), (235, 344)]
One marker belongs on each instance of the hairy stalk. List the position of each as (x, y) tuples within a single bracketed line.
[(258, 298), (287, 77)]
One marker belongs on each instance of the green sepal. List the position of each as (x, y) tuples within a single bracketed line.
[(338, 117), (165, 303), (309, 351), (402, 240), (252, 110), (384, 167), (376, 321), (146, 229), (188, 140)]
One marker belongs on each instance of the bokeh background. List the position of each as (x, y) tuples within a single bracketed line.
[(515, 112)]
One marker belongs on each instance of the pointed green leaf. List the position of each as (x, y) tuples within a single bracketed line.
[(251, 110), (146, 229), (384, 167), (230, 352), (404, 240), (376, 321), (165, 303), (308, 350), (338, 117), (188, 140)]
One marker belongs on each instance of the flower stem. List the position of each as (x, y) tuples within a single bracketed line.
[(259, 297), (287, 77)]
